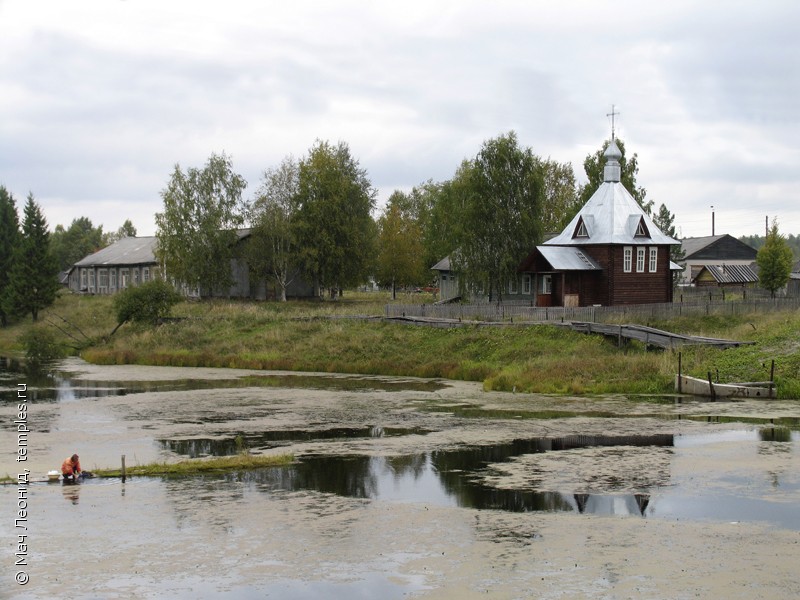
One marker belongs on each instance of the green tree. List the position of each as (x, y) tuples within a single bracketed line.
[(665, 221), (560, 201), (501, 219), (78, 241), (333, 225), (594, 165), (400, 251), (125, 230), (145, 303), (9, 240), (774, 261), (33, 281), (196, 232), (272, 251)]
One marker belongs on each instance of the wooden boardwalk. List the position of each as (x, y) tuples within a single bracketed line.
[(623, 333), (649, 335)]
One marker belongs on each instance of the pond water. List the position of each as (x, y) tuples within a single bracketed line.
[(386, 471)]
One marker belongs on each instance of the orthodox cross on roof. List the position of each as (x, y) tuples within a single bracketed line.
[(612, 114)]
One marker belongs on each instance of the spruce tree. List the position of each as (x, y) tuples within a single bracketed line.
[(9, 239), (774, 261), (34, 275)]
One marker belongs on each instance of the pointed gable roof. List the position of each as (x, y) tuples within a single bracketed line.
[(717, 247), (611, 215)]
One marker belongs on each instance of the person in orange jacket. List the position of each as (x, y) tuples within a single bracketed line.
[(71, 467)]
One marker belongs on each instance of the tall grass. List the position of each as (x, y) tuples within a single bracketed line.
[(321, 336)]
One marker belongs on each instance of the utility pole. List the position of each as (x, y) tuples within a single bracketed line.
[(712, 219)]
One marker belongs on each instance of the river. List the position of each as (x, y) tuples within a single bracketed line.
[(400, 488)]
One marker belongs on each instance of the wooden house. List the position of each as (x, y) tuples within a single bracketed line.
[(793, 287), (726, 276), (128, 261), (611, 253), (245, 286), (518, 289), (713, 250), (132, 260)]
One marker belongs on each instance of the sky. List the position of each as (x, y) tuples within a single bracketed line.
[(101, 99)]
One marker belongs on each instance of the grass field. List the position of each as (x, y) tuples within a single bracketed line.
[(322, 336)]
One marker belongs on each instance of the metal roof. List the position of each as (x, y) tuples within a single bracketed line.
[(611, 216), (563, 258), (127, 251), (730, 273)]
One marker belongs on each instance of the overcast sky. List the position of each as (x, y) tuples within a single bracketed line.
[(100, 99)]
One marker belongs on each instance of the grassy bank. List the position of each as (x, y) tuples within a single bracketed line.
[(238, 462), (536, 358)]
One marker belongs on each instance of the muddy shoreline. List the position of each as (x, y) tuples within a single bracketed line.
[(236, 537)]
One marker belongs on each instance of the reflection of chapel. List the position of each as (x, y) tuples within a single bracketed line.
[(611, 253)]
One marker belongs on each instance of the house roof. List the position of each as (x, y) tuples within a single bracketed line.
[(729, 273), (126, 251), (723, 246), (563, 258), (692, 245), (442, 265), (611, 215)]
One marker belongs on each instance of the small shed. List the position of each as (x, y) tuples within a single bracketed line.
[(793, 287), (726, 276), (448, 280)]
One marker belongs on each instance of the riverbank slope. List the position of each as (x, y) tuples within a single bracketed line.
[(348, 336)]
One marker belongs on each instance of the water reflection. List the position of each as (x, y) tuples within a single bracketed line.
[(775, 434), (454, 477), (227, 446), (53, 387), (459, 478)]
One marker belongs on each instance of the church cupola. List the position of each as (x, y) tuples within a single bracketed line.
[(612, 171)]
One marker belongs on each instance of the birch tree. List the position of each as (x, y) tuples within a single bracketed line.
[(272, 251), (502, 214), (333, 223), (196, 231)]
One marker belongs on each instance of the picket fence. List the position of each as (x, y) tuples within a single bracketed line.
[(699, 304)]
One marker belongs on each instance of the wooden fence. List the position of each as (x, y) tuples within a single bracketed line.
[(641, 313)]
